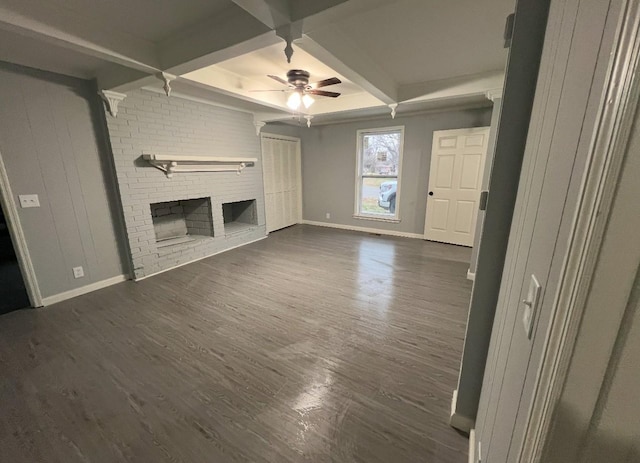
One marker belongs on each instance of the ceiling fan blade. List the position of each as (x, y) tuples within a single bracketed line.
[(326, 82), (323, 93), (279, 79)]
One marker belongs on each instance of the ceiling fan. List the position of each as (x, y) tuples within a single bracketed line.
[(298, 83)]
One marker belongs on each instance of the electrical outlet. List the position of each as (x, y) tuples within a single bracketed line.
[(328, 215), (29, 201), (78, 272)]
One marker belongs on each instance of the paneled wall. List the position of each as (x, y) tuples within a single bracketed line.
[(50, 144), (152, 123)]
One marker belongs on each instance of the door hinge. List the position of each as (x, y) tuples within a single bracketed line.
[(484, 196), (508, 30)]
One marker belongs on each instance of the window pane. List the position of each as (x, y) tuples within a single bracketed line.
[(378, 189), (381, 153)]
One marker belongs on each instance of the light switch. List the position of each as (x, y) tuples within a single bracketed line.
[(29, 201), (531, 305)]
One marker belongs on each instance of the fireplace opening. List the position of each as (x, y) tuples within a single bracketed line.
[(182, 221), (239, 216)]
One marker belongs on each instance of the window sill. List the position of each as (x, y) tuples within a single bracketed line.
[(375, 218)]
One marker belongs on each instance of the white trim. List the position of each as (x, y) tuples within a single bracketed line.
[(196, 99), (461, 422), (363, 229), (18, 238), (199, 258), (49, 300), (617, 111), (275, 136), (398, 177), (375, 218), (471, 275), (112, 100), (258, 125), (342, 116), (472, 446), (494, 94), (172, 163)]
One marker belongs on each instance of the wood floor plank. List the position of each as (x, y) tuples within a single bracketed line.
[(315, 345)]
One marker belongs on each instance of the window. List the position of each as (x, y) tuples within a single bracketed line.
[(378, 173)]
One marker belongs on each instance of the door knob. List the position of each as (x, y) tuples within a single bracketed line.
[(431, 193)]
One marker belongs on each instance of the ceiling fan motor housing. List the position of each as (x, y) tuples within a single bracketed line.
[(298, 77)]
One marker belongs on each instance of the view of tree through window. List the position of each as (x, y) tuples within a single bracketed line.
[(379, 160)]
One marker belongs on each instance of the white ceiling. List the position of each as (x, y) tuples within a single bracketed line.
[(271, 60), (418, 53), (245, 75)]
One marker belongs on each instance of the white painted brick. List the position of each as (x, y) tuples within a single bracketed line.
[(152, 123)]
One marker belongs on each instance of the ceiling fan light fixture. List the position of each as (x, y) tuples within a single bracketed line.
[(307, 100), (294, 101)]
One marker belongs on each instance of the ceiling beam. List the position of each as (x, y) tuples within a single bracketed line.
[(272, 13), (278, 13), (80, 34), (455, 87), (227, 35), (337, 51), (122, 79), (197, 44), (301, 9)]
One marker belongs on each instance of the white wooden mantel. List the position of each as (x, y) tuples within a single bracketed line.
[(170, 164)]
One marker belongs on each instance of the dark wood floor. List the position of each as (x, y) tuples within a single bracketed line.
[(314, 345)]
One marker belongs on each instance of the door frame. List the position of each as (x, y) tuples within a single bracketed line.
[(298, 142), (457, 132), (8, 204), (603, 169)]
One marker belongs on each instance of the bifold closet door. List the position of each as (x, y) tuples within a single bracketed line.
[(282, 181)]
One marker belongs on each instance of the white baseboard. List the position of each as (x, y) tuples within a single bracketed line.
[(463, 423), (46, 301), (363, 229), (199, 258), (471, 275), (472, 446)]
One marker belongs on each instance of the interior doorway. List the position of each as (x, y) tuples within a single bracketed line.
[(13, 293)]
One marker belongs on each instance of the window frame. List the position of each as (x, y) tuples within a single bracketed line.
[(357, 213)]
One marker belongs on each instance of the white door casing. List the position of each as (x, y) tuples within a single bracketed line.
[(455, 180), (281, 170), (8, 204)]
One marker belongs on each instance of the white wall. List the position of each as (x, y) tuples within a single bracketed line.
[(51, 143)]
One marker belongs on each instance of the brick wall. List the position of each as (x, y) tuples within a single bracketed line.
[(151, 123)]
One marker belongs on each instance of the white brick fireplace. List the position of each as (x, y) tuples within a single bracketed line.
[(172, 221)]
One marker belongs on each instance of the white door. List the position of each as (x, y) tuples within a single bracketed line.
[(282, 181), (455, 178)]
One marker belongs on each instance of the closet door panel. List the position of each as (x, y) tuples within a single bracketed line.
[(281, 167)]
